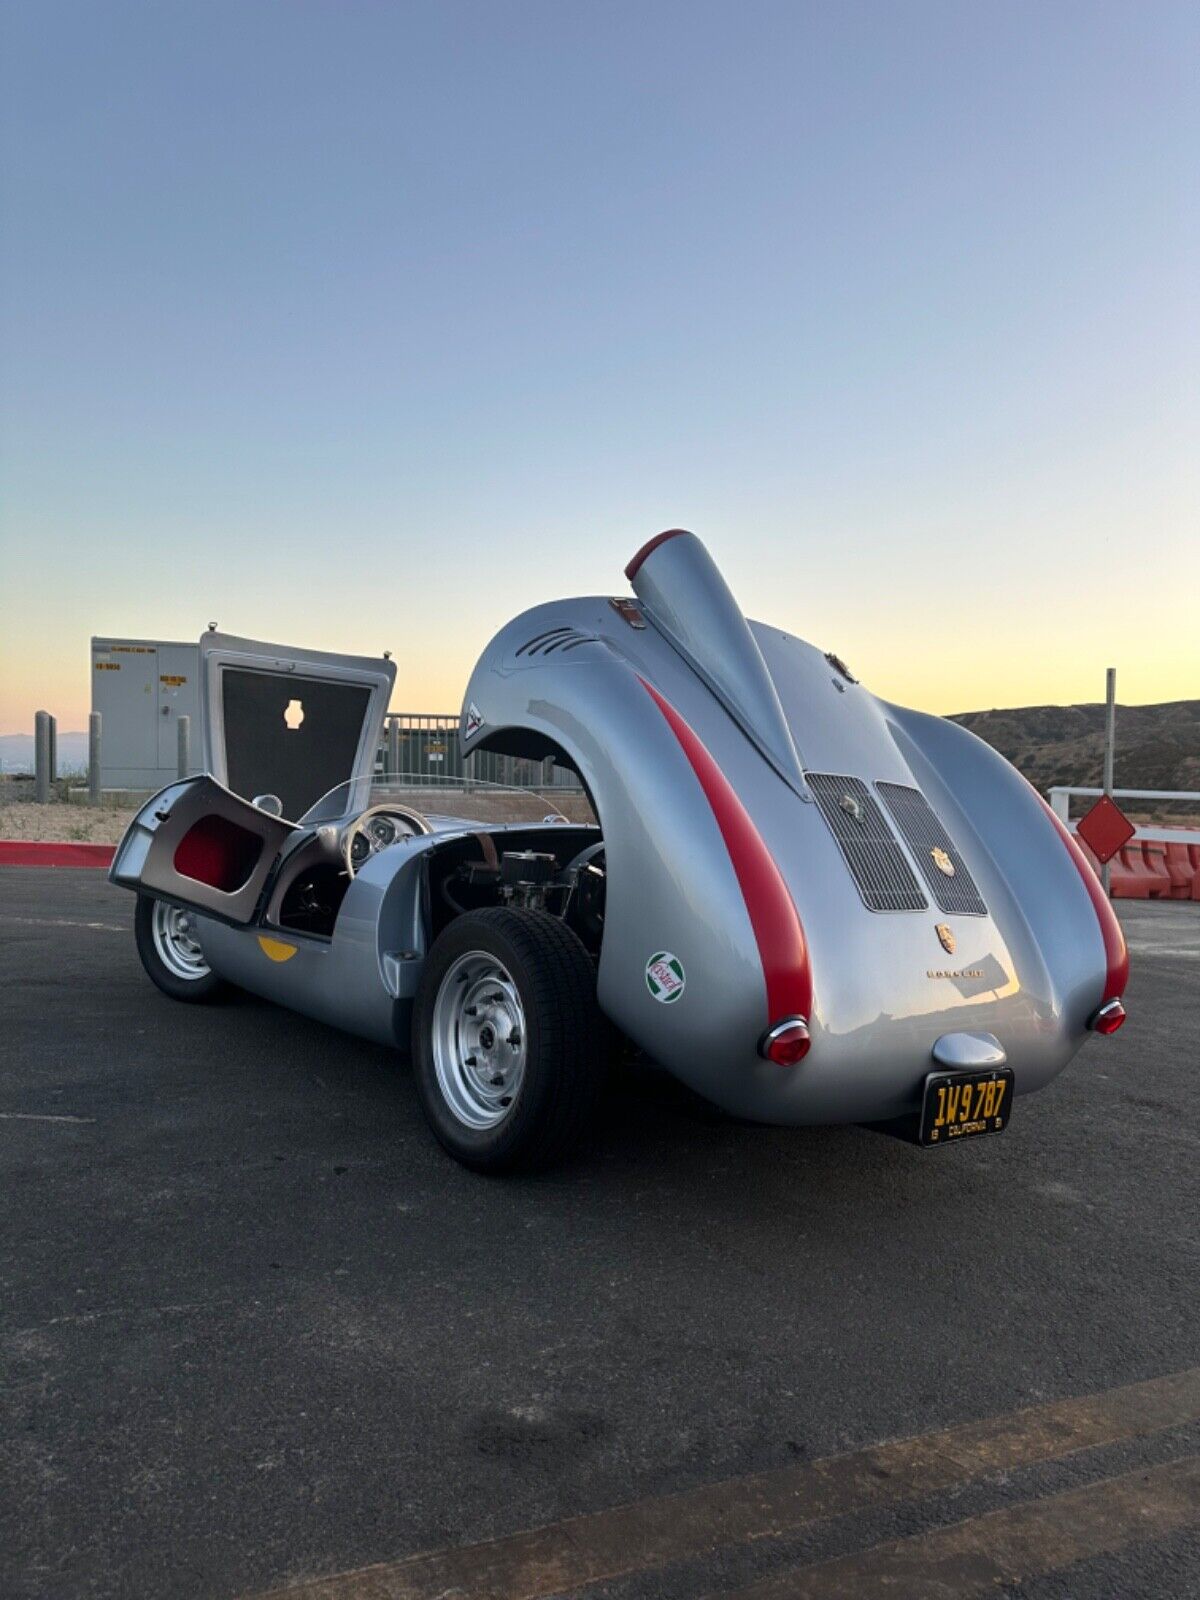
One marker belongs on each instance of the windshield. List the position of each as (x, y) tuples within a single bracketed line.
[(452, 800)]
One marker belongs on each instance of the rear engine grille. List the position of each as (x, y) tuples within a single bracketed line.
[(928, 840), (877, 863)]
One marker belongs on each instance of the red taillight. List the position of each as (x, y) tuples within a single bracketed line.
[(1109, 1018), (786, 1043)]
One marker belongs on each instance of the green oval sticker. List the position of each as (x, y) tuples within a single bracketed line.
[(665, 976)]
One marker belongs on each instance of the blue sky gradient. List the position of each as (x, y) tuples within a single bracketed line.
[(366, 325)]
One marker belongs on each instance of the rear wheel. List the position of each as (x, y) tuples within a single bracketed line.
[(170, 951), (508, 1041)]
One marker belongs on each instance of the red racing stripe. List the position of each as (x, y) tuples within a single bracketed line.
[(778, 932), (1115, 952)]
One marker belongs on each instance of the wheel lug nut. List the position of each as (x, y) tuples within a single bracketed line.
[(497, 1080)]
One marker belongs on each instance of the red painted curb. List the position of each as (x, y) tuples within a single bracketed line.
[(54, 853)]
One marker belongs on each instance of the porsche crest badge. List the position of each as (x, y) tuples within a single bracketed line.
[(946, 934), (942, 861)]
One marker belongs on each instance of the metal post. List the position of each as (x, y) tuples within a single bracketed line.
[(393, 748), (94, 759), (1110, 740), (53, 749), (41, 757), (183, 747)]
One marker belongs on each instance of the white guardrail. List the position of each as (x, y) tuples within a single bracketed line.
[(1060, 804)]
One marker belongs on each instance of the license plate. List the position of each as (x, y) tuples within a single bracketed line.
[(963, 1105)]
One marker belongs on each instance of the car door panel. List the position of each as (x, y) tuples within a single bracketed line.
[(198, 845)]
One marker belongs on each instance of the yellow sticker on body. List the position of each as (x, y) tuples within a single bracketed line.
[(275, 949)]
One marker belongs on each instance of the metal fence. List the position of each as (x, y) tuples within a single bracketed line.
[(416, 745), (424, 744)]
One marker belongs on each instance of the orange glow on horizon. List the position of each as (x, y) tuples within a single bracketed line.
[(958, 675)]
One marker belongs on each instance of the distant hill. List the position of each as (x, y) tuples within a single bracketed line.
[(16, 752), (1157, 747)]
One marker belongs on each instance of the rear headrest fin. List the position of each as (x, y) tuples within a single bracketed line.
[(689, 602)]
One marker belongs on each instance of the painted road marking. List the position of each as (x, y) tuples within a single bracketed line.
[(562, 1557), (63, 922), (1169, 952), (37, 1116), (1005, 1547)]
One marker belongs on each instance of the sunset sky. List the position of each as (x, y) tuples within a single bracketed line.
[(365, 325)]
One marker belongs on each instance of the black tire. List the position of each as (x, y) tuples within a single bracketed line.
[(196, 990), (565, 1040)]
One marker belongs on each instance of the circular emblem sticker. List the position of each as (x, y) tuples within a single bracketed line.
[(664, 977)]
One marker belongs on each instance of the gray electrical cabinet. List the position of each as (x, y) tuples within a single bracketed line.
[(141, 687)]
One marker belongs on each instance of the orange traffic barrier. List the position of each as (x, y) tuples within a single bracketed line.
[(1155, 854), (1136, 882), (1150, 869), (1145, 861), (1180, 871), (1123, 882)]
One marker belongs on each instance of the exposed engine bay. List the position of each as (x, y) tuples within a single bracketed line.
[(527, 870), (530, 869)]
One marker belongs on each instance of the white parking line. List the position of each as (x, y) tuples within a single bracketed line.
[(63, 922), (1177, 952), (37, 1116)]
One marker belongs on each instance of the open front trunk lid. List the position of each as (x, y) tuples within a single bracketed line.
[(291, 722)]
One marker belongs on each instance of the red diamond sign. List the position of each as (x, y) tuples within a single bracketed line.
[(1105, 829)]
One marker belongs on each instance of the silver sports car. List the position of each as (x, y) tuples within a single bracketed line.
[(809, 905)]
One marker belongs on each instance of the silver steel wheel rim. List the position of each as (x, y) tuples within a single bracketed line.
[(479, 1040), (175, 942)]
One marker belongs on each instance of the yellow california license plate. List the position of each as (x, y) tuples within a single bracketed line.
[(963, 1105)]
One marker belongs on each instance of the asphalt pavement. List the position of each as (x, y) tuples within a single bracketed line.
[(256, 1329)]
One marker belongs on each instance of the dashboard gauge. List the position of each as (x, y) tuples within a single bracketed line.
[(382, 831), (360, 849)]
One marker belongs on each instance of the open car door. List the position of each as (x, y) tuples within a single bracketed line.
[(276, 721), (197, 845)]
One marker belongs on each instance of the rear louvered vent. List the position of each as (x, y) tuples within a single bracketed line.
[(954, 890), (878, 865), (562, 638)]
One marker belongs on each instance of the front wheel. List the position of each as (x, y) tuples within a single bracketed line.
[(508, 1041), (170, 952)]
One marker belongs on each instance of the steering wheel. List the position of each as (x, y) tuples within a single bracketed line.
[(375, 829)]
